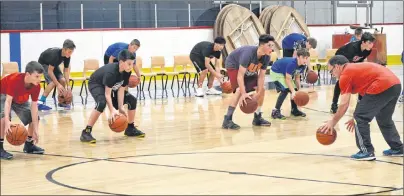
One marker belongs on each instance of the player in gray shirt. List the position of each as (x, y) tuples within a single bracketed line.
[(246, 67)]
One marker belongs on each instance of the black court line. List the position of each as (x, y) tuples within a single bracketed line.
[(49, 175), (327, 112)]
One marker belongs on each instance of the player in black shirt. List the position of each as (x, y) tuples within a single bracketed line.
[(50, 59), (107, 87), (355, 52), (201, 55)]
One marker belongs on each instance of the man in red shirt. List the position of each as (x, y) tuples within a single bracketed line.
[(380, 89), (14, 94)]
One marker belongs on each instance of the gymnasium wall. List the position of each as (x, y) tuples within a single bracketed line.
[(27, 46)]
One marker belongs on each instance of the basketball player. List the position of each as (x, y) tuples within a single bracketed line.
[(246, 67), (295, 41), (357, 36), (201, 55), (380, 89), (16, 88), (107, 87), (355, 52), (111, 54), (283, 72), (50, 59)]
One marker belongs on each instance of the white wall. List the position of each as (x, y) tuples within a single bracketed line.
[(5, 47), (167, 43)]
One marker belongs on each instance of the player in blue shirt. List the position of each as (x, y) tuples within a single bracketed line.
[(283, 72), (295, 41), (111, 54)]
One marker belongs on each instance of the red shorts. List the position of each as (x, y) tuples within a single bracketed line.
[(250, 83)]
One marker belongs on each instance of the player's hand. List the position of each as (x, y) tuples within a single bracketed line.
[(243, 99), (7, 125), (327, 128), (68, 88), (112, 116), (220, 77), (35, 137), (292, 95), (122, 111), (61, 89), (350, 125)]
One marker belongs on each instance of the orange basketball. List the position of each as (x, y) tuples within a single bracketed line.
[(301, 98), (251, 106), (326, 139), (226, 87), (68, 97), (120, 123), (311, 77), (18, 135), (133, 81), (61, 98)]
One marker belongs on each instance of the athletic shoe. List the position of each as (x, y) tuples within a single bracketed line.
[(334, 108), (87, 137), (393, 153), (297, 112), (229, 124), (5, 155), (63, 105), (213, 91), (199, 92), (134, 132), (401, 99), (276, 114), (31, 148), (259, 121), (43, 107), (362, 156)]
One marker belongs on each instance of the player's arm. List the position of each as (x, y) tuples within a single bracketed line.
[(121, 95), (240, 79), (66, 72), (34, 115), (297, 81), (111, 59), (289, 80), (51, 68), (261, 80), (209, 67), (7, 110), (108, 92), (342, 108), (136, 69)]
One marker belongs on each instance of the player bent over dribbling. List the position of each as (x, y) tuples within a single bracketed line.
[(107, 87)]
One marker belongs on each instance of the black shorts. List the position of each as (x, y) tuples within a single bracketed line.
[(199, 63), (106, 59), (288, 52), (98, 93), (23, 110), (56, 71)]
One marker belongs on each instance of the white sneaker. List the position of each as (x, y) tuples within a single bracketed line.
[(199, 92), (213, 91), (401, 99)]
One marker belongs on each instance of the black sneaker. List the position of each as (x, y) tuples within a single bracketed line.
[(297, 112), (31, 148), (5, 155), (134, 132), (87, 137), (259, 121), (334, 108), (276, 114), (229, 124)]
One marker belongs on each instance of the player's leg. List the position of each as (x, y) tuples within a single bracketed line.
[(131, 101), (49, 87), (3, 154), (228, 118), (251, 84), (211, 79), (386, 124), (295, 110), (23, 112), (337, 92), (202, 70), (280, 84), (98, 93)]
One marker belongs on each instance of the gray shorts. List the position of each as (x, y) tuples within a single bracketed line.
[(23, 111), (58, 73)]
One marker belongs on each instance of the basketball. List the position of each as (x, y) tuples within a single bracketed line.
[(61, 98), (18, 135), (311, 77), (301, 98), (326, 139), (68, 97), (133, 81), (226, 87), (120, 123), (251, 106)]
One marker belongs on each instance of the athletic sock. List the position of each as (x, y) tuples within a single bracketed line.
[(88, 128), (230, 111), (43, 99), (29, 139), (131, 125), (1, 144), (258, 110)]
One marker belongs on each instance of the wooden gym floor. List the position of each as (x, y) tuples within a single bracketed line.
[(186, 152)]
